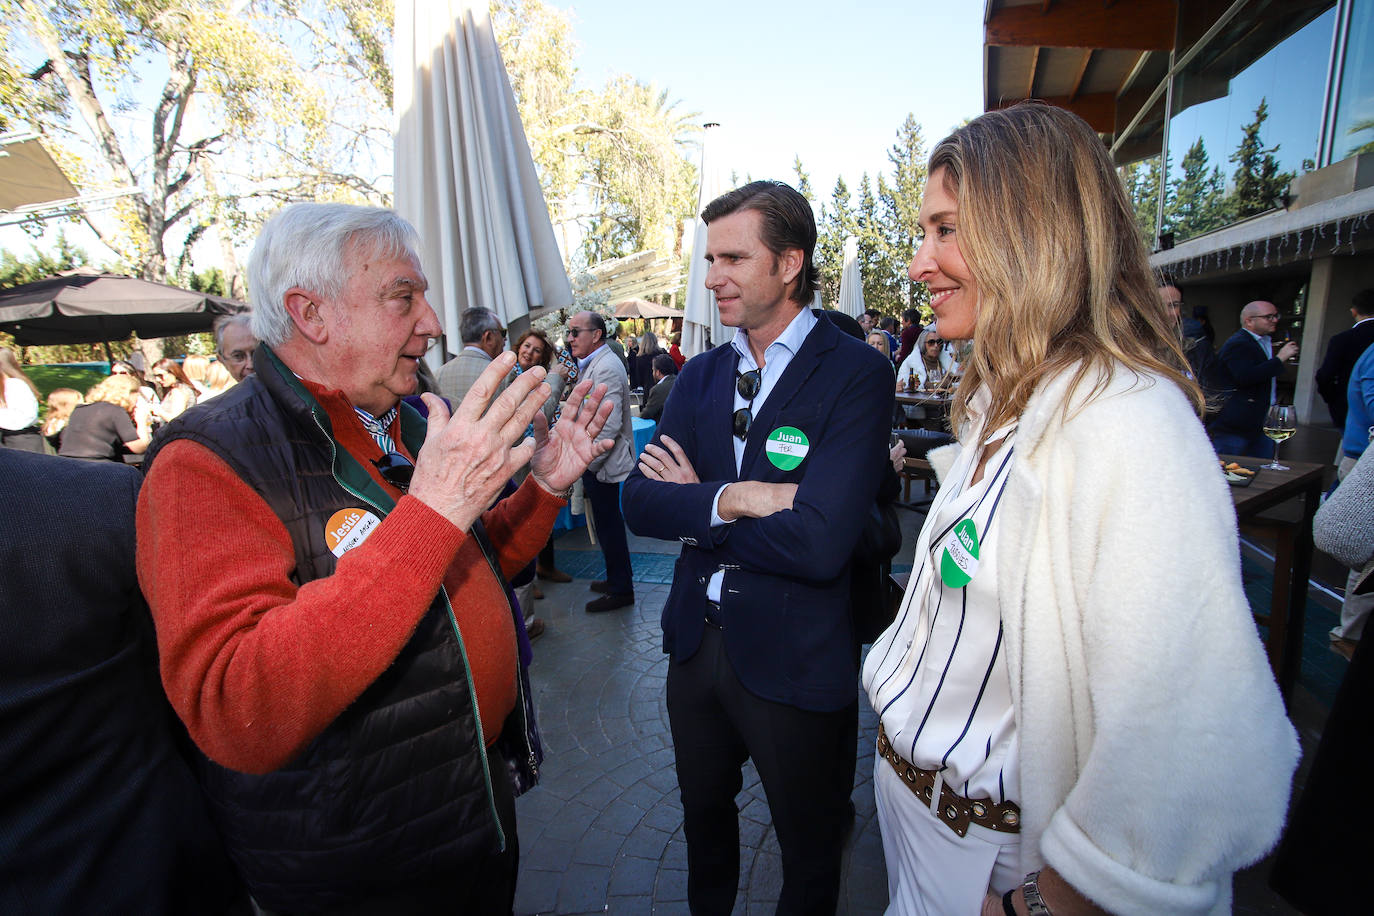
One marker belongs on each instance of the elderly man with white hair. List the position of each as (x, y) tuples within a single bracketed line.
[(326, 573)]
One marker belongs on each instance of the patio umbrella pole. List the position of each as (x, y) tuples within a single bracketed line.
[(108, 358)]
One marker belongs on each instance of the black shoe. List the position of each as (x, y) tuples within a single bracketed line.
[(610, 603), (601, 587)]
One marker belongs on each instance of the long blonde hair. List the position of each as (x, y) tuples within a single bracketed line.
[(1064, 280), (121, 390)]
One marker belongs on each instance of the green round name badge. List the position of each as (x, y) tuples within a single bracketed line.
[(786, 447), (959, 556)]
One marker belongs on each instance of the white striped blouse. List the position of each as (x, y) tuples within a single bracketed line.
[(938, 676)]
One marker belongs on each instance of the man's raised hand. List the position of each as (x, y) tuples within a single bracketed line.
[(468, 457), (563, 453)]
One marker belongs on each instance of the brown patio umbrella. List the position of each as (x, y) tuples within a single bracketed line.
[(642, 308), (85, 306)]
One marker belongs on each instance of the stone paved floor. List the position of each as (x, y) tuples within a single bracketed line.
[(603, 831)]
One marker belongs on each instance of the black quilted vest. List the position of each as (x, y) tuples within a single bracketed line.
[(396, 792)]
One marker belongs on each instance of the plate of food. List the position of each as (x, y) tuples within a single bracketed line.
[(1237, 474)]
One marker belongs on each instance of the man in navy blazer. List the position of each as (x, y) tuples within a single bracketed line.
[(765, 464), (1341, 352), (99, 809), (1253, 365)]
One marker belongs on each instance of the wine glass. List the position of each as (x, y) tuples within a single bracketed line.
[(1280, 424)]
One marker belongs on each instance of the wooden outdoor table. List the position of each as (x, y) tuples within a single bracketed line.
[(1292, 554), (924, 399)]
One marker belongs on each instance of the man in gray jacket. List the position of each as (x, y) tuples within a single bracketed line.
[(601, 482), (483, 340)]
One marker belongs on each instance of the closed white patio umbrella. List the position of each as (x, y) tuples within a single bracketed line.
[(464, 174), (700, 315), (851, 283)]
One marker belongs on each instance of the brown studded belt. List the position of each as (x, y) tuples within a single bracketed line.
[(956, 812)]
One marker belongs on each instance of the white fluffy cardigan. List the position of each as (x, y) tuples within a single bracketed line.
[(1156, 758)]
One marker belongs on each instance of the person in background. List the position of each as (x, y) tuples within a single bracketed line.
[(675, 351), (99, 810), (1341, 353), (235, 343), (878, 341), (641, 366), (1253, 366), (195, 368), (483, 340), (926, 361), (532, 349), (175, 392), (349, 665), (61, 403), (1317, 869), (612, 341), (147, 396), (108, 426), (1359, 428), (664, 373), (601, 480), (1048, 745), (1202, 362), (911, 328), (18, 406), (888, 324), (217, 381)]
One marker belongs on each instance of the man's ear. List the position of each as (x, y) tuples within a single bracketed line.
[(792, 261), (304, 309)]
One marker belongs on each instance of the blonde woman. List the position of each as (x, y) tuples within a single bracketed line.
[(1076, 716), (61, 403), (18, 406), (104, 428), (217, 381), (195, 368)]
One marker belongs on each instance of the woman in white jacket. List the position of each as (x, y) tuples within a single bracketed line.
[(1077, 715)]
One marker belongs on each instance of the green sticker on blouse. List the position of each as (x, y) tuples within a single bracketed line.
[(786, 447), (959, 555)]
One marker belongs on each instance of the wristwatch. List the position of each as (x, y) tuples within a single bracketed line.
[(1030, 888)]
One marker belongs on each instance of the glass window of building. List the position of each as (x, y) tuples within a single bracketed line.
[(1353, 130), (1246, 115)]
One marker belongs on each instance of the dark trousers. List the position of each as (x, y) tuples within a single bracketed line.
[(610, 532), (806, 763)]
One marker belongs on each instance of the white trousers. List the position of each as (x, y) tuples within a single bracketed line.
[(931, 870)]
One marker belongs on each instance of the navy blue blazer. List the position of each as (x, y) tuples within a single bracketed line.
[(785, 595), (1250, 373), (99, 810), (1334, 374)]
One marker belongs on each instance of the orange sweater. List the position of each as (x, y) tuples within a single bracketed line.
[(257, 667)]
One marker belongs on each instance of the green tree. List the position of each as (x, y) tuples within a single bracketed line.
[(254, 85), (16, 271), (837, 223), (614, 163), (1197, 197), (1257, 180), (1141, 180), (900, 205), (636, 177), (803, 180)]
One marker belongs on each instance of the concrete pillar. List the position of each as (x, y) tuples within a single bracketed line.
[(1317, 328)]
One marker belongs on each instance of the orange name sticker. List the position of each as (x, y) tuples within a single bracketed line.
[(348, 528)]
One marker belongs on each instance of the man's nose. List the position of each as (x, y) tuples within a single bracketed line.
[(428, 325)]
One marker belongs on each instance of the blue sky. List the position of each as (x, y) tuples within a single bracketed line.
[(829, 82)]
